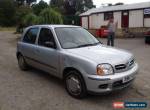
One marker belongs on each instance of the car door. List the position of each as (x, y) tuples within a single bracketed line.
[(28, 46), (47, 53)]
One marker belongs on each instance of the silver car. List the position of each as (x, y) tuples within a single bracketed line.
[(71, 53)]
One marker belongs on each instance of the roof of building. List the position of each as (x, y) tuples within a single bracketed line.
[(117, 8)]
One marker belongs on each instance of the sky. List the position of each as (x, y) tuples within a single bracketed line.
[(99, 2)]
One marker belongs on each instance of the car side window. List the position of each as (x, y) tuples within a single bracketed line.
[(46, 38), (31, 35)]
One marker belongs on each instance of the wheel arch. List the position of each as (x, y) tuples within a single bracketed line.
[(80, 76), (67, 69), (17, 54)]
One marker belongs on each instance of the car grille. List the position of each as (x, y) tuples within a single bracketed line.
[(121, 66), (124, 67)]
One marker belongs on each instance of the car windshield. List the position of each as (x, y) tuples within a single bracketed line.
[(75, 37)]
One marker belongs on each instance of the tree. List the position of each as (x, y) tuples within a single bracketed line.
[(30, 1), (50, 16), (37, 8), (30, 19), (22, 2), (21, 12), (83, 5), (72, 7), (58, 5), (7, 13), (19, 2), (89, 4)]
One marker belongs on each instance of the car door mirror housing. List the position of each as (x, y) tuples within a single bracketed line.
[(50, 44)]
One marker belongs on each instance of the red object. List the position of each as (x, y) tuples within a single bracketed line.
[(88, 22), (118, 105), (125, 19), (102, 32), (147, 33)]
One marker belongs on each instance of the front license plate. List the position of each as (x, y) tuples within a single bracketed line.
[(126, 79)]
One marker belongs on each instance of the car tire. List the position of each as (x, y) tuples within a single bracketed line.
[(75, 85), (22, 64)]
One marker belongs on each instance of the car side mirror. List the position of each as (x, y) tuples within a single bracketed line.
[(49, 44)]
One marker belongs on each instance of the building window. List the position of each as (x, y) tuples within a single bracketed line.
[(147, 13), (108, 15)]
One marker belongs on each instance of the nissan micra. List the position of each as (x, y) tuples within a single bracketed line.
[(71, 53)]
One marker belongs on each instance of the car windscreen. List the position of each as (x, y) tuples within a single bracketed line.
[(75, 37)]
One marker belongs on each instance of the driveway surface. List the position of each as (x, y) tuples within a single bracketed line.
[(37, 90)]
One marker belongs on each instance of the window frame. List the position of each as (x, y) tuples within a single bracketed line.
[(27, 32), (37, 41), (108, 15)]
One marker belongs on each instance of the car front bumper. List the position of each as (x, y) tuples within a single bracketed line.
[(102, 84)]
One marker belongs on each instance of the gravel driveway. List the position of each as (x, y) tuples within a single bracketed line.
[(36, 90)]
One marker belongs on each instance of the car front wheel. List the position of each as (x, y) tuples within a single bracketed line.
[(75, 85)]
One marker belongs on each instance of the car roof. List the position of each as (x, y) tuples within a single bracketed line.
[(52, 26)]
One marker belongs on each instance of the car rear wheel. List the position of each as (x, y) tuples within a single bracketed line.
[(22, 64), (75, 85)]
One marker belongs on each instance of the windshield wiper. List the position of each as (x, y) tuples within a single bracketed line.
[(85, 45), (96, 43)]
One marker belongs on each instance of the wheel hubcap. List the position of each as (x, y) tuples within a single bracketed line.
[(73, 85)]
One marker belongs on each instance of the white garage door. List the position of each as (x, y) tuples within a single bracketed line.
[(136, 18)]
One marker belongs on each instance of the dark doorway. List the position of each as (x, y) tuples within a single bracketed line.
[(125, 19)]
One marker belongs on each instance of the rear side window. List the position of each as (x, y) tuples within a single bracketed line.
[(31, 35)]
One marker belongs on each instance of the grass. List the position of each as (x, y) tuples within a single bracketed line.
[(8, 29)]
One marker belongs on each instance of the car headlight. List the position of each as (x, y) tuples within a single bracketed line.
[(104, 69)]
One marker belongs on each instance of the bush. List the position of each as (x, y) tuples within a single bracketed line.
[(50, 16), (30, 19)]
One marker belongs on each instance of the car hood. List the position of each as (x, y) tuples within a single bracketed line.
[(103, 54)]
